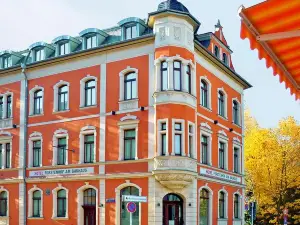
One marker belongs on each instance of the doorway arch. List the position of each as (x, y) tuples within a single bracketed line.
[(172, 210)]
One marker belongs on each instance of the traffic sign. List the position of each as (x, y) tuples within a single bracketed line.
[(131, 207), (133, 198)]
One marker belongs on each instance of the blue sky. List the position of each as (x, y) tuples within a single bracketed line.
[(44, 20)]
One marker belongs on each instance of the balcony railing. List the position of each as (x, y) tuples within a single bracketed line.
[(6, 123)]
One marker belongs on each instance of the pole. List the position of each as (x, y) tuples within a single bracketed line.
[(252, 204), (130, 219)]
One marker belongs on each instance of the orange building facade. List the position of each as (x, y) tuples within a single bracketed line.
[(147, 108)]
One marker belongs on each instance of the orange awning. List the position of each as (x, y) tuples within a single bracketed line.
[(273, 28)]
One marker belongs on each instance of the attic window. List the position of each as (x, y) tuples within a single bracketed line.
[(39, 54), (6, 61), (64, 48), (217, 52), (225, 59), (130, 32), (91, 41)]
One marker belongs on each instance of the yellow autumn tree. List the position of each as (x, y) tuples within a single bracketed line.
[(272, 162)]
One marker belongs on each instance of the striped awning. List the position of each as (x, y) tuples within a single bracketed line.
[(273, 28)]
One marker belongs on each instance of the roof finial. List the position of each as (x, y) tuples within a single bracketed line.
[(218, 25)]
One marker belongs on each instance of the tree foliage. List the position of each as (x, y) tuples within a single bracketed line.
[(273, 169)]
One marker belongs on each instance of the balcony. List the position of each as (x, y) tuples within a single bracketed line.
[(6, 123), (177, 97), (175, 172)]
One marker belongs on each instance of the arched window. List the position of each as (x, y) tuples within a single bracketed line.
[(188, 81), (130, 89), (62, 98), (89, 197), (90, 93), (61, 203), (204, 207), (236, 206), (164, 75), (217, 51), (3, 203), (235, 111), (36, 204), (89, 142), (125, 215), (222, 205), (221, 101), (38, 102), (36, 153), (204, 93), (225, 59), (177, 75)]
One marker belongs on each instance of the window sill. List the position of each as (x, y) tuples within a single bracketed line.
[(63, 111), (36, 115), (4, 217), (237, 219), (222, 117), (60, 218), (222, 219), (35, 218), (88, 107), (206, 108), (237, 125)]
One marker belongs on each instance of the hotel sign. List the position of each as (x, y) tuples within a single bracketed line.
[(219, 175), (61, 172)]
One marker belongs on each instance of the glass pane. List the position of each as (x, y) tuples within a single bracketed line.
[(164, 143), (177, 65), (61, 193), (36, 208), (177, 144), (128, 90), (134, 92), (94, 41), (130, 76), (128, 33), (177, 80), (130, 133), (164, 80), (134, 32), (177, 126), (204, 211)]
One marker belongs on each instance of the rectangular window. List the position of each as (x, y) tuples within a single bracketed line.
[(36, 153), (188, 80), (222, 206), (38, 102), (6, 62), (8, 107), (130, 32), (236, 206), (177, 75), (164, 75), (89, 148), (7, 158), (91, 42), (39, 55), (222, 155), (61, 151), (236, 160), (204, 149), (178, 139), (163, 139), (1, 152), (191, 140), (1, 107), (129, 144), (64, 48)]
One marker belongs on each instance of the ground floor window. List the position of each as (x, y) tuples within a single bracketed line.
[(204, 207), (125, 215), (3, 203)]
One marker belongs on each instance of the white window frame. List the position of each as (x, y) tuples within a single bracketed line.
[(6, 138), (130, 103), (31, 100), (209, 93), (60, 133), (222, 137), (159, 134), (30, 201), (5, 95), (191, 154), (239, 112), (54, 194), (225, 103), (178, 132), (87, 130), (206, 130), (67, 47), (225, 204), (210, 203), (80, 211), (240, 206), (82, 90), (128, 122), (42, 54), (237, 144), (118, 206), (35, 136), (55, 97), (2, 189), (170, 61)]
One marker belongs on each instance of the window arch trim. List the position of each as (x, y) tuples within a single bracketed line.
[(30, 205), (225, 204), (211, 193)]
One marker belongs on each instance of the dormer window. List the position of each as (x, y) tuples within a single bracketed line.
[(217, 51), (225, 59), (39, 54), (91, 41), (64, 48), (130, 32), (6, 62)]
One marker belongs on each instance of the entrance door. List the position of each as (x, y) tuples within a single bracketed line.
[(172, 210), (89, 215)]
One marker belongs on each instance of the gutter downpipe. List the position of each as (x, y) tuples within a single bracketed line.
[(23, 66)]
